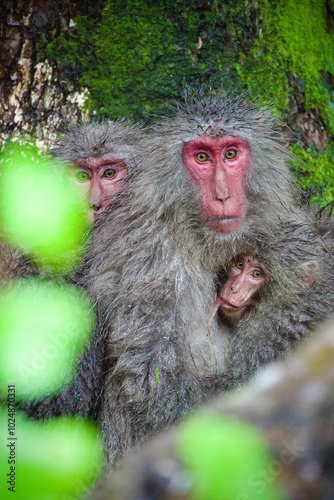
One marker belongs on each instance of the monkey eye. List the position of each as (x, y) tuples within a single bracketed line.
[(201, 157), (239, 264), (82, 176), (257, 274), (230, 154), (109, 173)]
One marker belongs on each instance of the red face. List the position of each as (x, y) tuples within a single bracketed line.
[(101, 178), (219, 165), (245, 277)]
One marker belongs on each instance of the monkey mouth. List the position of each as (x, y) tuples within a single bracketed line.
[(230, 307), (225, 220), (227, 224)]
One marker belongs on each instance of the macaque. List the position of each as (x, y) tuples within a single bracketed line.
[(245, 277), (213, 184), (243, 287), (100, 157)]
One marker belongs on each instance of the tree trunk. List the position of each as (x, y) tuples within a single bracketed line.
[(34, 99)]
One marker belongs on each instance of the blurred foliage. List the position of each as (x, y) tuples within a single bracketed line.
[(217, 452), (50, 325), (57, 459), (138, 55), (54, 236), (44, 328)]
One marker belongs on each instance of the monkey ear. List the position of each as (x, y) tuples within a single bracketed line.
[(309, 269)]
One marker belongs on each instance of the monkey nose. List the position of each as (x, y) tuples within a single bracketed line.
[(223, 196)]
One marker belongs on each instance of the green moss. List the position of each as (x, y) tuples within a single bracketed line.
[(74, 50), (141, 53), (291, 56), (316, 173), (138, 55)]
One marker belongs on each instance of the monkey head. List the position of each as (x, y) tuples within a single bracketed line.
[(219, 165), (222, 160), (101, 178), (100, 156), (245, 277)]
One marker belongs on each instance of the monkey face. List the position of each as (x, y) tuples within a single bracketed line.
[(245, 277), (101, 178), (219, 166), (99, 157)]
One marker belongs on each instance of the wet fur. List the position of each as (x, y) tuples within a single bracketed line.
[(13, 264), (82, 397), (154, 268)]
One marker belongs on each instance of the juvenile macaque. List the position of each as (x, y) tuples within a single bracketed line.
[(213, 184), (245, 277), (242, 288)]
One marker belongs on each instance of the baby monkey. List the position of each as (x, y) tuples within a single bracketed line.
[(245, 277)]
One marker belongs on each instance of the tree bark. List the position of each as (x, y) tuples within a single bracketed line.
[(35, 100)]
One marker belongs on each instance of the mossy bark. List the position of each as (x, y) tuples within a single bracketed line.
[(63, 62)]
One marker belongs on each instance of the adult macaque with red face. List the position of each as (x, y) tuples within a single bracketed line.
[(220, 166), (99, 157), (213, 184), (245, 277)]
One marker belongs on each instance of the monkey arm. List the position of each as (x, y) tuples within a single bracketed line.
[(148, 387)]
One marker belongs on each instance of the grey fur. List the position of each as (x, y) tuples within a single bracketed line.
[(13, 264), (89, 140), (154, 268), (85, 141)]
